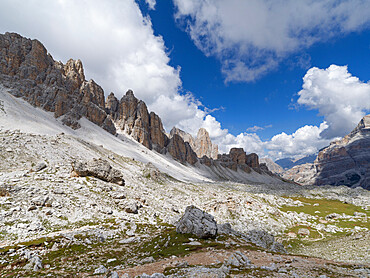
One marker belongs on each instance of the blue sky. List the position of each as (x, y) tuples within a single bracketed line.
[(234, 67), (267, 101)]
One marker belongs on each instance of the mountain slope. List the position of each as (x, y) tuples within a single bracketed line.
[(17, 114), (347, 161)]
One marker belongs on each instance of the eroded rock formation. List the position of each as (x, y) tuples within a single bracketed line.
[(181, 150), (237, 158), (202, 144), (347, 161), (32, 73)]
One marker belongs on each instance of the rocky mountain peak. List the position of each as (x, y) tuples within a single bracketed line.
[(204, 145), (31, 73), (346, 162), (130, 94), (363, 126), (74, 71)]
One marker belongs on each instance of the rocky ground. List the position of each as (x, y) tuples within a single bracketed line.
[(56, 223)]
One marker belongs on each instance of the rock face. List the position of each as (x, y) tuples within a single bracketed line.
[(237, 158), (272, 166), (302, 174), (202, 144), (197, 222), (32, 73), (343, 162), (98, 168), (347, 161), (181, 150), (131, 115), (184, 135)]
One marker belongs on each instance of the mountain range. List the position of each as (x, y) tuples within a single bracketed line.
[(91, 185)]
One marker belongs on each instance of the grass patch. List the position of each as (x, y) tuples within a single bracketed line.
[(169, 243), (324, 207)]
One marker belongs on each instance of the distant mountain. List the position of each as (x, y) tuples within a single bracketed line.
[(29, 72), (288, 163), (347, 161), (343, 162), (271, 165)]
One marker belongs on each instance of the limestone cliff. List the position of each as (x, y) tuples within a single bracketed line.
[(347, 161), (202, 144), (343, 162), (31, 73)]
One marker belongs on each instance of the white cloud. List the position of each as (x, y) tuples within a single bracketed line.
[(151, 4), (250, 142), (251, 37), (257, 128), (338, 96), (304, 141), (120, 51), (116, 44)]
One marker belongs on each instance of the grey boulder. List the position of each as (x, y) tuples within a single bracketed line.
[(197, 222), (98, 168)]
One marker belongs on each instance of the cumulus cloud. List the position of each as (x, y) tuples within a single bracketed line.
[(250, 38), (304, 141), (257, 128), (116, 44), (338, 96), (118, 48)]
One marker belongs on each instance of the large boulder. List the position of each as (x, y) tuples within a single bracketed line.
[(98, 168), (197, 222)]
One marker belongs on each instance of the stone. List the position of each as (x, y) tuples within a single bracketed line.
[(197, 222), (157, 275), (131, 207), (238, 259), (97, 168), (114, 274), (129, 240), (147, 260), (333, 216), (265, 240), (304, 232), (40, 166), (100, 270), (34, 264)]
